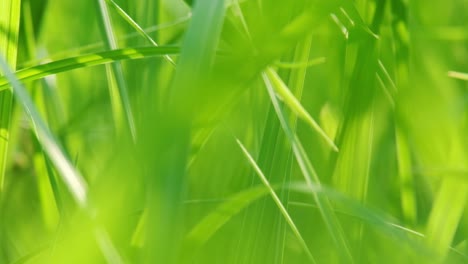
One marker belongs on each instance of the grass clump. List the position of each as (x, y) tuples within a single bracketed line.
[(240, 131)]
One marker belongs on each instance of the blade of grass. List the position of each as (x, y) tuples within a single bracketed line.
[(94, 47), (197, 56), (291, 101), (46, 185), (408, 197), (445, 215), (357, 135), (296, 81), (135, 26), (212, 222), (278, 202), (222, 214), (296, 65), (309, 174), (458, 75), (174, 128), (408, 190), (71, 176), (436, 95), (48, 202), (89, 60), (274, 159), (118, 89), (10, 11)]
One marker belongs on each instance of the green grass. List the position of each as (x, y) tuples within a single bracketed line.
[(240, 131)]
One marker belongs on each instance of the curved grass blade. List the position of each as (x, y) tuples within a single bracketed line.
[(137, 27), (384, 224), (71, 176), (309, 173), (278, 202), (211, 223), (89, 60), (291, 101), (217, 218)]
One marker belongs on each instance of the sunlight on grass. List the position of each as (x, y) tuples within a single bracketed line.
[(233, 131)]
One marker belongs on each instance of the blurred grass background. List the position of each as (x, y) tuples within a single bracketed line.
[(252, 131)]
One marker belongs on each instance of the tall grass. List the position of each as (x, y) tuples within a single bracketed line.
[(240, 131)]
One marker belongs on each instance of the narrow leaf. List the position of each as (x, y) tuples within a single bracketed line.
[(278, 202), (291, 101), (89, 60)]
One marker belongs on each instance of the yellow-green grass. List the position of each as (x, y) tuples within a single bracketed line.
[(233, 131)]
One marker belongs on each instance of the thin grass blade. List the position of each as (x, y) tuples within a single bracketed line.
[(70, 175), (310, 175), (89, 60), (10, 11), (118, 89), (73, 179), (291, 101), (137, 27), (278, 202)]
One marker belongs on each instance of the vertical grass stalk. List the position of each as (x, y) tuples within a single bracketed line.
[(10, 11), (333, 225), (121, 106)]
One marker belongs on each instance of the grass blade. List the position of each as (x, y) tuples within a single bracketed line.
[(222, 214), (310, 176), (89, 60), (212, 222), (290, 100), (446, 144), (118, 90), (10, 11), (174, 130), (72, 178), (74, 181), (408, 198), (137, 27), (458, 75), (278, 202)]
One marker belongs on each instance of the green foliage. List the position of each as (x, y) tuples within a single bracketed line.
[(233, 131)]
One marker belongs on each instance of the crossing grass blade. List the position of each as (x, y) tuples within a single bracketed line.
[(77, 186), (309, 174), (278, 202), (296, 65), (290, 100), (83, 61), (118, 88), (75, 182), (135, 26), (206, 228), (212, 222), (9, 32)]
